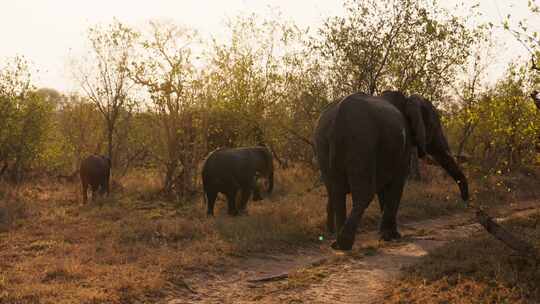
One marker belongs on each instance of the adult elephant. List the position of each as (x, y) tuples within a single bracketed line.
[(229, 170), (95, 171), (363, 146)]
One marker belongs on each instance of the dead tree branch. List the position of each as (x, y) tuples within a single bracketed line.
[(522, 247)]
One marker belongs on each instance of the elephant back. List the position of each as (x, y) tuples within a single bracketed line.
[(95, 168)]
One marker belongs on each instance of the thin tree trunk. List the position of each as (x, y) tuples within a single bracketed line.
[(110, 131), (4, 168), (466, 134)]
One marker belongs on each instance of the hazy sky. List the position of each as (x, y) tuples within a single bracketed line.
[(47, 31)]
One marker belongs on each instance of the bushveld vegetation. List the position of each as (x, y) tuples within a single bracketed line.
[(159, 98)]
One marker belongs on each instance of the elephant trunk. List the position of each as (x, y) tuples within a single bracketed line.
[(451, 167)]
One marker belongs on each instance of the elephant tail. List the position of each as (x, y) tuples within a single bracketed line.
[(337, 130)]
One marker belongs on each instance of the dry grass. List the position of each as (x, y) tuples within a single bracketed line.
[(478, 270), (132, 247), (13, 209)]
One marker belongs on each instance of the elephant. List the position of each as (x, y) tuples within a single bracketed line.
[(95, 171), (363, 146), (228, 170)]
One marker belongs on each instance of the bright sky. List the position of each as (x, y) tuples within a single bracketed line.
[(47, 31)]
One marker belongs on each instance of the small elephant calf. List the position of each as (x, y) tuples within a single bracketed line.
[(95, 171), (230, 170)]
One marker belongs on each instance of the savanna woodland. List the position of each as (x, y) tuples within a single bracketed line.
[(157, 101)]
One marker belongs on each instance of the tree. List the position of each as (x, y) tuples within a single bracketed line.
[(410, 45), (265, 88), (24, 119), (527, 35), (166, 71), (104, 75), (81, 130), (507, 125), (470, 89)]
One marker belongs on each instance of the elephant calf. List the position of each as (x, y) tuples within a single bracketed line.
[(95, 171), (230, 170)]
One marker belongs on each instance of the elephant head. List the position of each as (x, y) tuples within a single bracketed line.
[(412, 110), (436, 143), (107, 160)]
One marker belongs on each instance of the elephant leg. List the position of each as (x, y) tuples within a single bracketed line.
[(84, 192), (336, 208), (330, 215), (246, 193), (231, 201), (103, 189), (362, 187), (106, 186), (340, 208), (381, 202), (211, 197), (94, 192), (390, 197)]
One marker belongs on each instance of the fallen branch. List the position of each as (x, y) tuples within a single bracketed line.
[(271, 278), (285, 275), (510, 240)]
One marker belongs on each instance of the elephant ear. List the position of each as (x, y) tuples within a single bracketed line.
[(413, 111)]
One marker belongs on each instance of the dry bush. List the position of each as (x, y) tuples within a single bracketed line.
[(144, 182), (11, 211), (13, 207)]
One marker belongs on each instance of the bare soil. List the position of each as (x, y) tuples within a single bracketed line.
[(321, 275)]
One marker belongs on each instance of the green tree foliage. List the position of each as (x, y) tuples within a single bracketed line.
[(25, 117), (410, 45), (506, 123), (158, 97), (243, 75), (81, 131), (266, 88)]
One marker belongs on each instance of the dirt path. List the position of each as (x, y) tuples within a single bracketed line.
[(325, 276)]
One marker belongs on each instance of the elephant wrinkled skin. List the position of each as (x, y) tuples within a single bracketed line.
[(363, 146), (230, 170), (95, 171)]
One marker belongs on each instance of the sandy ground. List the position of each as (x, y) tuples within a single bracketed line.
[(321, 275)]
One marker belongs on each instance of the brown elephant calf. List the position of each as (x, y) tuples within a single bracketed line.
[(95, 171)]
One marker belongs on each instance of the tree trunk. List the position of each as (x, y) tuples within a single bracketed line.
[(110, 130), (169, 177), (4, 168), (466, 134)]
